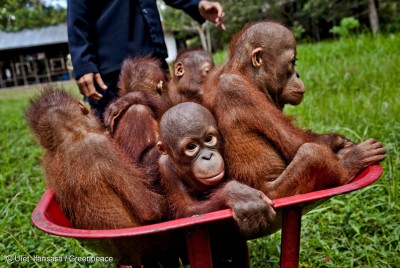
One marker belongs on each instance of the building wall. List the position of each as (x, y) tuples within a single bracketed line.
[(34, 65)]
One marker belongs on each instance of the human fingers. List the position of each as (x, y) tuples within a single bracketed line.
[(86, 87), (99, 81)]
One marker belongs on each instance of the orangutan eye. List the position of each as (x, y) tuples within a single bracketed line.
[(293, 62), (291, 67), (191, 149), (210, 140)]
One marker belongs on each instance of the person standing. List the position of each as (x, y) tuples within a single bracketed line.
[(102, 33)]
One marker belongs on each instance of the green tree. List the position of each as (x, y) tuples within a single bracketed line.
[(309, 19), (389, 15), (16, 15)]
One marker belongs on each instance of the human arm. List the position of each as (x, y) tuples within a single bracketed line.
[(81, 21), (200, 10)]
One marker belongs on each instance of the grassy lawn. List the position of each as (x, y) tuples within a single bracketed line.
[(353, 88)]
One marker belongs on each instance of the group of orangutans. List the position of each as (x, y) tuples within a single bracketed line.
[(207, 138)]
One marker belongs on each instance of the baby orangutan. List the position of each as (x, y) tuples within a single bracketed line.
[(191, 68), (192, 171), (263, 148), (132, 119), (92, 180)]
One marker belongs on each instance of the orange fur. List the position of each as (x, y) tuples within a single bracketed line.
[(91, 178)]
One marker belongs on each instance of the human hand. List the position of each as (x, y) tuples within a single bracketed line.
[(212, 11), (86, 85)]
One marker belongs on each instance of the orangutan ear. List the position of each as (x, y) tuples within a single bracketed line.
[(161, 148), (256, 57), (179, 69)]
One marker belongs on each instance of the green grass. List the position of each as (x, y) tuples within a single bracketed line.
[(353, 88), (21, 186)]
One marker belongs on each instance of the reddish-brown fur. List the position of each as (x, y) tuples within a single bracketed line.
[(133, 118), (137, 134), (191, 68), (91, 178), (192, 172), (142, 73), (262, 147)]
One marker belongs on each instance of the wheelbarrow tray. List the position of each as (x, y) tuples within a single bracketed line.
[(189, 236)]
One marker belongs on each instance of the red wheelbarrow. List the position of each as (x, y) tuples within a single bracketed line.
[(202, 241)]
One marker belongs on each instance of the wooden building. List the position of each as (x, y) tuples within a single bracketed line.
[(34, 56)]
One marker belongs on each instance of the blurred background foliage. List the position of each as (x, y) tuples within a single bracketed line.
[(310, 20), (16, 15)]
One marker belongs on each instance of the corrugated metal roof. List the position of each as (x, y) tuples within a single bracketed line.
[(34, 37)]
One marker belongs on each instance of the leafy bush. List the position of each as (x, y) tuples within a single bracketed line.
[(346, 28)]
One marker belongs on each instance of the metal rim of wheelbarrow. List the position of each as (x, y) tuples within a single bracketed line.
[(43, 220)]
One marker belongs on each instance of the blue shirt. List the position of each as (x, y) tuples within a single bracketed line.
[(102, 33)]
